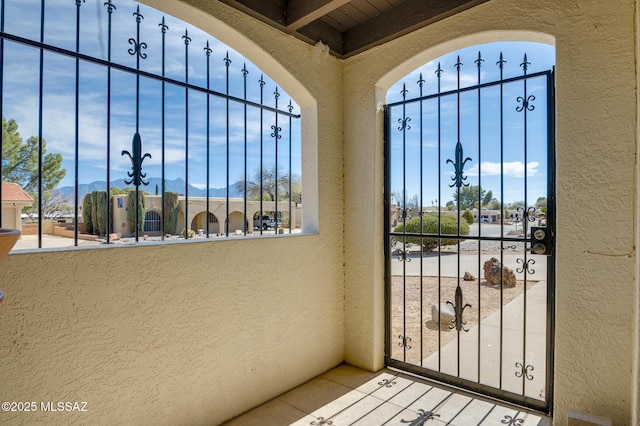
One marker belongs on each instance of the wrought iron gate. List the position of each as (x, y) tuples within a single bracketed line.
[(472, 304)]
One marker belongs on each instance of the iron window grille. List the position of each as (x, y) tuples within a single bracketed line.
[(258, 129)]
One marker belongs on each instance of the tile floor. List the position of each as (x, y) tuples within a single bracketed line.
[(349, 396)]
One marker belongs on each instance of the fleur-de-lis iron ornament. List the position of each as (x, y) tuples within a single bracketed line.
[(522, 370), (480, 60), (226, 60), (525, 64), (501, 61), (526, 266), (138, 46), (423, 416), (512, 420), (458, 308), (207, 49), (164, 27), (136, 175), (110, 6), (186, 38), (459, 163)]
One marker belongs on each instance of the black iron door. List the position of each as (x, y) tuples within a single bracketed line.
[(470, 229)]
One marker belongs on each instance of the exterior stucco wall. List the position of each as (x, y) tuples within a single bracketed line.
[(596, 186), (190, 333)]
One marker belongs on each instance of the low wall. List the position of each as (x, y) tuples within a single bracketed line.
[(32, 228)]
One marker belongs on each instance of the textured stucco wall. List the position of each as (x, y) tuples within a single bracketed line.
[(596, 186), (190, 333)]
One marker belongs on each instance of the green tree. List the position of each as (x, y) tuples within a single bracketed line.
[(469, 196), (269, 186), (487, 198), (20, 163), (448, 226), (541, 202)]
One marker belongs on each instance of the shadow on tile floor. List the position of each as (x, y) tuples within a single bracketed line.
[(349, 396)]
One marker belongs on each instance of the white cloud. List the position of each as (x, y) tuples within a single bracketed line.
[(512, 169)]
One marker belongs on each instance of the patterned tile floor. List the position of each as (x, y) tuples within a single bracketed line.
[(350, 396)]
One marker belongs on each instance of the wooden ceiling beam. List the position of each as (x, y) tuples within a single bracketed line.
[(403, 19), (320, 31), (299, 13)]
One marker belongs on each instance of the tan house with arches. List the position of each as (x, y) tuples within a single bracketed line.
[(198, 333), (197, 212)]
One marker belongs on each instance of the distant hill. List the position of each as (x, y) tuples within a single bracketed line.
[(176, 185)]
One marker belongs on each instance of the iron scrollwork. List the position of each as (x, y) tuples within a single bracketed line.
[(404, 123), (405, 341), (526, 103), (528, 215), (403, 256), (321, 421), (524, 371), (526, 266), (512, 420), (458, 308), (458, 164), (387, 383)]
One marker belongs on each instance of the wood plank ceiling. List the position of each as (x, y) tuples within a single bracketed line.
[(349, 27)]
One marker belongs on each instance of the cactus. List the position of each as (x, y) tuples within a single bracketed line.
[(101, 213), (87, 205), (131, 208), (94, 211), (170, 214)]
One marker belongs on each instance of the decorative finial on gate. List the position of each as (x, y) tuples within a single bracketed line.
[(525, 64), (501, 61)]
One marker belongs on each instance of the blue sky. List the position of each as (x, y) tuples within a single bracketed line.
[(22, 18), (487, 171)]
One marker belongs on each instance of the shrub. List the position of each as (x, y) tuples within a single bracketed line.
[(468, 216), (191, 233), (170, 212), (448, 226), (86, 214)]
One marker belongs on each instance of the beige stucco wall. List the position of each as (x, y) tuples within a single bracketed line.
[(191, 333), (596, 187)]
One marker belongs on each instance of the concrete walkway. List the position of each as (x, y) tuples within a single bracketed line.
[(468, 263), (488, 332)]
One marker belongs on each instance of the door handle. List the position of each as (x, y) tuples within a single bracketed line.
[(541, 241)]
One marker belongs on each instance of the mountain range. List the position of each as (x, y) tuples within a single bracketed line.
[(175, 185)]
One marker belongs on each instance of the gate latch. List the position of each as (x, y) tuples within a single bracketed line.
[(541, 240)]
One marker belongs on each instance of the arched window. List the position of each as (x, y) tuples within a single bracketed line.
[(124, 94)]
